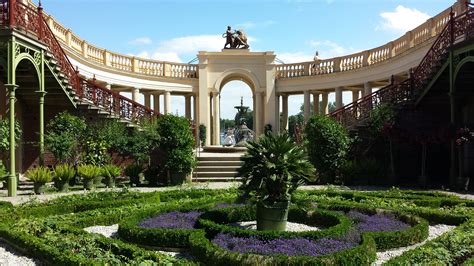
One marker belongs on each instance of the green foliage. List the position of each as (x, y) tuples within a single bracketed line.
[(273, 167), (451, 248), (110, 171), (327, 143), (379, 116), (177, 141), (202, 134), (152, 175), (5, 134), (88, 171), (63, 172), (3, 171), (63, 134), (95, 151), (39, 175)]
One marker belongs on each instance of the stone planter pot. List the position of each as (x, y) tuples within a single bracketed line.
[(98, 180), (88, 184), (62, 186), (109, 182), (39, 187), (272, 217)]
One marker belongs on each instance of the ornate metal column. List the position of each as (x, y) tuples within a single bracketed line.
[(12, 185)]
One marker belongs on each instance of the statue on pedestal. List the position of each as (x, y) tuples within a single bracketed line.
[(235, 39), (243, 134)]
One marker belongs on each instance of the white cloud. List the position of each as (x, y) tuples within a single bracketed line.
[(402, 19), (296, 57), (329, 49), (251, 25), (176, 49), (141, 41)]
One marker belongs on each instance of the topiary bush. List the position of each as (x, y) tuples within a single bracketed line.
[(177, 141), (327, 143)]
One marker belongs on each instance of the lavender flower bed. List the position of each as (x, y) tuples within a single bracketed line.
[(376, 222), (172, 220), (288, 246), (179, 220)]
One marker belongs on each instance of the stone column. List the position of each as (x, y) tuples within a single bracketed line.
[(307, 100), (187, 103), (284, 120), (147, 97), (216, 116), (196, 109), (316, 103), (156, 103), (258, 113), (324, 103), (355, 95), (167, 102), (367, 89), (135, 94), (339, 102)]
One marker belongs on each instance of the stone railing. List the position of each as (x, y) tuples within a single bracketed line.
[(418, 36), (117, 61)]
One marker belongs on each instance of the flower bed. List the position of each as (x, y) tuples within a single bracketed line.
[(50, 231)]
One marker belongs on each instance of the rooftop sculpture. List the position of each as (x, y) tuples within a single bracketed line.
[(235, 39)]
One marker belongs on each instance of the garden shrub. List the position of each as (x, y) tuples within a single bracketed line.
[(327, 144), (63, 135), (5, 134), (177, 141), (362, 171)]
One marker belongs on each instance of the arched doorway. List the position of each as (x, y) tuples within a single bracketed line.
[(235, 93)]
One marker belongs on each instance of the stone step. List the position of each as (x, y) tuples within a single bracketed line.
[(230, 174), (214, 179), (218, 159), (220, 163), (204, 169)]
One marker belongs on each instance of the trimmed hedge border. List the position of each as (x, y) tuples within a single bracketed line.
[(215, 221), (416, 233), (203, 249), (450, 245), (130, 230), (49, 254)]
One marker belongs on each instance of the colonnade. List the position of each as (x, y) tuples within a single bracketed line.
[(320, 100)]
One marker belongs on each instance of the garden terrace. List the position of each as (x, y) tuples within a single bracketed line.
[(383, 222)]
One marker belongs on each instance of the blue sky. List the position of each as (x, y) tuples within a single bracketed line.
[(294, 29)]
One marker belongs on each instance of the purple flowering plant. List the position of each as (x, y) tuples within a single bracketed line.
[(172, 220)]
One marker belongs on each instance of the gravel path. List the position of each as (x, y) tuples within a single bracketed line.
[(107, 231), (434, 232), (9, 257)]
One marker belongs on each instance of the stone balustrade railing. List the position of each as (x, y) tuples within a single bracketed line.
[(118, 61), (418, 36)]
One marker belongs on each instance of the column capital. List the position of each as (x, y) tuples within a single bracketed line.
[(41, 93), (11, 86)]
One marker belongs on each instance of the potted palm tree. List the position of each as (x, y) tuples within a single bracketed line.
[(40, 176), (134, 171), (110, 172), (63, 173), (88, 173), (273, 168)]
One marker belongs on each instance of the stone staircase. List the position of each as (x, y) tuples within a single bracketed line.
[(217, 167)]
